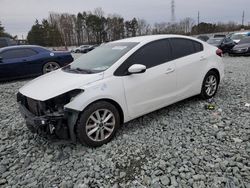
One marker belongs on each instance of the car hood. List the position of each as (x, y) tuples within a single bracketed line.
[(241, 46), (56, 83)]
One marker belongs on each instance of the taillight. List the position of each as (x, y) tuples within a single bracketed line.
[(219, 52)]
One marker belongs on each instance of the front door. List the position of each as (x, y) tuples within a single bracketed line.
[(155, 88)]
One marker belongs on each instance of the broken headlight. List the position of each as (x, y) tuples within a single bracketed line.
[(58, 103)]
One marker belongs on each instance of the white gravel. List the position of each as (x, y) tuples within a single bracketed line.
[(183, 145)]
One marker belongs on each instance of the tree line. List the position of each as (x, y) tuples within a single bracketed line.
[(3, 33), (86, 27), (95, 27)]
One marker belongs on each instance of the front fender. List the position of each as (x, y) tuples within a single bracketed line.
[(109, 88)]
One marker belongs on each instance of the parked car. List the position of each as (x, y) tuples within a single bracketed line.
[(92, 47), (219, 36), (225, 44), (236, 37), (229, 35), (28, 60), (117, 82), (6, 41), (83, 49), (203, 37), (242, 48)]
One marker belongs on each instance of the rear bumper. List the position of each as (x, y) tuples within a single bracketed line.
[(239, 53)]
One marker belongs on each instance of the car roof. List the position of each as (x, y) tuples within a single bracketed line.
[(22, 46), (149, 38)]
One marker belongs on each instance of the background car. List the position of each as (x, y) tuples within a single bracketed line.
[(236, 37), (29, 60), (117, 82), (6, 41), (225, 44), (242, 48), (203, 37), (219, 36), (82, 49)]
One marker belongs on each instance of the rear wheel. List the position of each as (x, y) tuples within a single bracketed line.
[(210, 85), (50, 66), (98, 124)]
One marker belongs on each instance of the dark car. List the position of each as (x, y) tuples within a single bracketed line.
[(225, 44), (6, 41), (242, 48), (29, 60), (219, 36), (203, 37), (83, 49), (88, 49)]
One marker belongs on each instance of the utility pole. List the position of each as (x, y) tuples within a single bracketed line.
[(198, 22), (243, 18), (172, 11), (198, 17)]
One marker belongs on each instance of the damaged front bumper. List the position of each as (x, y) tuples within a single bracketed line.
[(60, 124)]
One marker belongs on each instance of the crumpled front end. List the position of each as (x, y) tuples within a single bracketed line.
[(50, 117)]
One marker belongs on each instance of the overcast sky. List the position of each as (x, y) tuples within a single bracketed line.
[(17, 16)]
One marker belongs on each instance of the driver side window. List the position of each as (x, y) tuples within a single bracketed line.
[(150, 55)]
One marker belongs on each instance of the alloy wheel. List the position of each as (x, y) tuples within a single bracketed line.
[(51, 66), (100, 125), (211, 85)]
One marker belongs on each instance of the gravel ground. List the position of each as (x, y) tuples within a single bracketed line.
[(183, 145)]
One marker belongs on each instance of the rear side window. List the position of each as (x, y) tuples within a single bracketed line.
[(184, 47), (198, 47), (150, 55), (18, 53)]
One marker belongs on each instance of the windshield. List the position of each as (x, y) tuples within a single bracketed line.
[(101, 58), (214, 41), (238, 36), (245, 41)]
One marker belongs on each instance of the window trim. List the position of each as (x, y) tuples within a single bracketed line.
[(193, 41), (9, 50), (116, 72)]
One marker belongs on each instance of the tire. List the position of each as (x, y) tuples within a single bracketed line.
[(211, 81), (50, 66), (95, 131), (77, 51), (31, 128)]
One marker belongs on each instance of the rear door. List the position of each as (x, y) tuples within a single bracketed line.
[(190, 61), (154, 88)]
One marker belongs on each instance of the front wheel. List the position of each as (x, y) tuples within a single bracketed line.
[(50, 66), (98, 124), (210, 85)]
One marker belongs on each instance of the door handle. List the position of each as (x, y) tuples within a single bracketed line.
[(169, 70)]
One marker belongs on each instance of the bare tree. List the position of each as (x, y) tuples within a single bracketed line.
[(186, 25), (143, 27)]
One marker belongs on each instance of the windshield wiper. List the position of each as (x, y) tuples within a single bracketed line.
[(78, 70), (88, 71)]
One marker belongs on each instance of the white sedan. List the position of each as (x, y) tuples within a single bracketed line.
[(119, 81)]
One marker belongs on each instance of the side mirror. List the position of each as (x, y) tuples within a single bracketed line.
[(137, 69)]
